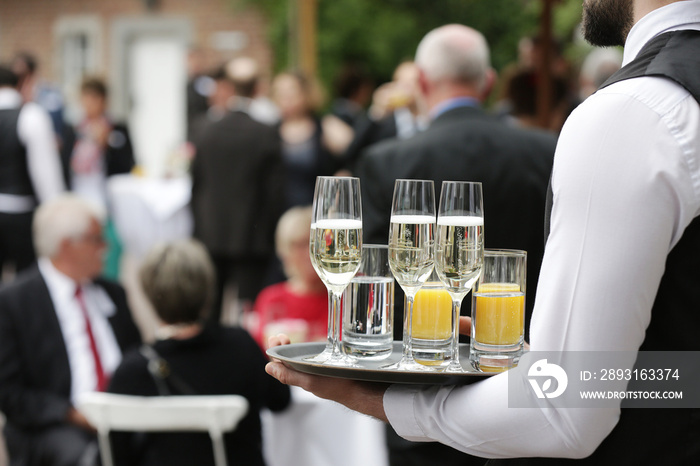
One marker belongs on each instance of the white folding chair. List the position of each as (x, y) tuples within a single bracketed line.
[(215, 414)]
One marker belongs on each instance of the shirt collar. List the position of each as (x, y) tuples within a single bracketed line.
[(60, 284), (9, 98), (62, 287), (672, 17), (449, 104)]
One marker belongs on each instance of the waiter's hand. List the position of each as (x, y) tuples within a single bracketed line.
[(465, 325), (363, 397)]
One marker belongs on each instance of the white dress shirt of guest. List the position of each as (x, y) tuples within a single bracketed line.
[(43, 162), (70, 255)]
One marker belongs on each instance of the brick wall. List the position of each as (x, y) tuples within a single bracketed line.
[(29, 25)]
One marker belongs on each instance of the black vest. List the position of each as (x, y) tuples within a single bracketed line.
[(660, 436), (14, 176)]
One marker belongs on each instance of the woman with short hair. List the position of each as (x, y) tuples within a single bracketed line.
[(178, 279)]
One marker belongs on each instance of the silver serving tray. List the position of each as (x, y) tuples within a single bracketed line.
[(372, 371)]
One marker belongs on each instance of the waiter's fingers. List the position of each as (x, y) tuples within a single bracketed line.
[(278, 340), (465, 325), (289, 376)]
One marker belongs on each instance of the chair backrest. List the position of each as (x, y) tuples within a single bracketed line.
[(215, 414)]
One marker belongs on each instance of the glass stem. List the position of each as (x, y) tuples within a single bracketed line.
[(408, 328), (336, 323), (456, 305), (331, 320)]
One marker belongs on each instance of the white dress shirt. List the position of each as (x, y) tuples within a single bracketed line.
[(626, 183), (43, 162), (70, 317)]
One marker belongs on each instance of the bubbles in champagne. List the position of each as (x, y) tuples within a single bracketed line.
[(411, 241), (460, 251), (336, 249)]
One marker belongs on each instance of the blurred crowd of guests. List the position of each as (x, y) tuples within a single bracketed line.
[(256, 153)]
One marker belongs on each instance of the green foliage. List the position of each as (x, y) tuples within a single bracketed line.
[(382, 33)]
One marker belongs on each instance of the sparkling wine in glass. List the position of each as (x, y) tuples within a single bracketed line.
[(336, 249), (411, 250), (326, 353), (459, 252)]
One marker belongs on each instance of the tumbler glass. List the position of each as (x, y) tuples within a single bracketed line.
[(368, 306), (498, 311)]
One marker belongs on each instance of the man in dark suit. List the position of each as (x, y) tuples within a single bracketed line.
[(237, 197), (62, 333), (463, 143)]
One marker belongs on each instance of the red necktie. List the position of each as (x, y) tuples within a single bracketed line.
[(99, 372)]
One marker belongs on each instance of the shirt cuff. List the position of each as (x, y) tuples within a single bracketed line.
[(399, 403)]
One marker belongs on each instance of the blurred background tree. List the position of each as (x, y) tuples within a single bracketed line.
[(381, 33)]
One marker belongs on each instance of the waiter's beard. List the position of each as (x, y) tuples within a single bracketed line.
[(606, 23)]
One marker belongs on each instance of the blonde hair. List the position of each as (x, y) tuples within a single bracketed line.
[(178, 279), (65, 217), (291, 225)]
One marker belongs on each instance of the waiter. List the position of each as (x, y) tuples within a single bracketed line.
[(30, 170)]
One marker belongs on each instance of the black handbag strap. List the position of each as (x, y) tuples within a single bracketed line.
[(162, 374)]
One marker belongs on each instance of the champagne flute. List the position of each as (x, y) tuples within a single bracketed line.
[(411, 250), (326, 353), (336, 249), (459, 254)]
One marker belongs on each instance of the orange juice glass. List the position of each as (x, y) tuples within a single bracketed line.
[(431, 326), (498, 311)]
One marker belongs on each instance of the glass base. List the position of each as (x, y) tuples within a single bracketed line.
[(494, 358), (341, 360), (367, 347), (409, 364), (321, 357), (455, 367), (437, 364), (436, 354)]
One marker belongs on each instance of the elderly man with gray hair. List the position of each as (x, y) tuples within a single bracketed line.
[(62, 333), (463, 142)]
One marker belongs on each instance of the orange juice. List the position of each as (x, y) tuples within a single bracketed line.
[(499, 314), (432, 313)]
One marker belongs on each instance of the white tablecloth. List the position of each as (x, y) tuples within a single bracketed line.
[(147, 210), (317, 432)]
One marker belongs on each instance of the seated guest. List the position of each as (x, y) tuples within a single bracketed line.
[(178, 279), (303, 296), (62, 333)]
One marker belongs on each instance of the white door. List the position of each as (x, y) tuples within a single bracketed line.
[(156, 88)]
